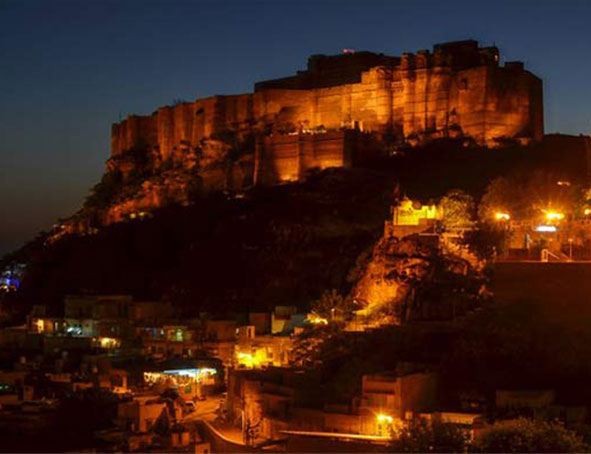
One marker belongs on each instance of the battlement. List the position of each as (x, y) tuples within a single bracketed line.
[(347, 68), (330, 70), (456, 90)]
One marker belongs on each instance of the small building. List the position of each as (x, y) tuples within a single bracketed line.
[(252, 351), (395, 396), (140, 414), (220, 330), (411, 217), (190, 378), (409, 212), (524, 399), (280, 318)]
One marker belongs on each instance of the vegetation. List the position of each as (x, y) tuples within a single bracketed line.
[(333, 306), (422, 435), (458, 208), (281, 245), (239, 145), (525, 435), (529, 194), (103, 193), (520, 435), (486, 240)]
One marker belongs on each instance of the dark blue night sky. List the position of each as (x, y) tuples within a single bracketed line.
[(68, 69)]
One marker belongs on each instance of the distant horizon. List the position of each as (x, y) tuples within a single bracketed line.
[(73, 68)]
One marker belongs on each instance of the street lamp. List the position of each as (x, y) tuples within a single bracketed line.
[(384, 424), (384, 418), (554, 216)]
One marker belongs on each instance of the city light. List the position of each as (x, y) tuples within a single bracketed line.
[(74, 330), (502, 216), (554, 216), (191, 372), (180, 376), (109, 342), (384, 418), (247, 360), (316, 319), (40, 325), (546, 228)]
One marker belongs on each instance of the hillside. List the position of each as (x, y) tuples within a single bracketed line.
[(271, 245), (282, 245)]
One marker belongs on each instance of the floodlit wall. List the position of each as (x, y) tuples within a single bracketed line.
[(458, 90)]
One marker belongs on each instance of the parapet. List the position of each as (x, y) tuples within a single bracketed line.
[(455, 90), (333, 70)]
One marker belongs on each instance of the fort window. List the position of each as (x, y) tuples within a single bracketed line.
[(464, 84)]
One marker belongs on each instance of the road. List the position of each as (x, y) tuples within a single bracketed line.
[(205, 410)]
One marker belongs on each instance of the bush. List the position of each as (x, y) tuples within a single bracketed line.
[(422, 435), (486, 240), (457, 209), (520, 435), (332, 305), (524, 435)]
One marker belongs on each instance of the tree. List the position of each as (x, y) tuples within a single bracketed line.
[(524, 435), (499, 197), (422, 435), (457, 207), (333, 305), (524, 195), (486, 240)]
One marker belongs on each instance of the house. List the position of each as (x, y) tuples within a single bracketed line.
[(398, 394), (140, 414), (252, 351)]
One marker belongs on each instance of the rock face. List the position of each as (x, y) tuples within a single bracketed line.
[(389, 277), (417, 277), (340, 110)]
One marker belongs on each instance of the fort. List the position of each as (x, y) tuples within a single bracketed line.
[(338, 109)]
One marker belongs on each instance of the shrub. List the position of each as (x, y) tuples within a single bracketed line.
[(524, 435), (422, 435)]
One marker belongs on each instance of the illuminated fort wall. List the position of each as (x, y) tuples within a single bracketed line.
[(282, 158), (458, 90)]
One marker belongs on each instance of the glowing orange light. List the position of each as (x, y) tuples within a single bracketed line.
[(109, 342), (248, 360), (316, 319), (554, 216), (384, 418), (502, 216), (587, 211)]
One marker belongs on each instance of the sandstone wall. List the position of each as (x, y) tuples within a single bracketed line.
[(458, 90), (486, 103), (175, 128), (282, 158)]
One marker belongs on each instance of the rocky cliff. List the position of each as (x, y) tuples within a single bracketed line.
[(415, 278)]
